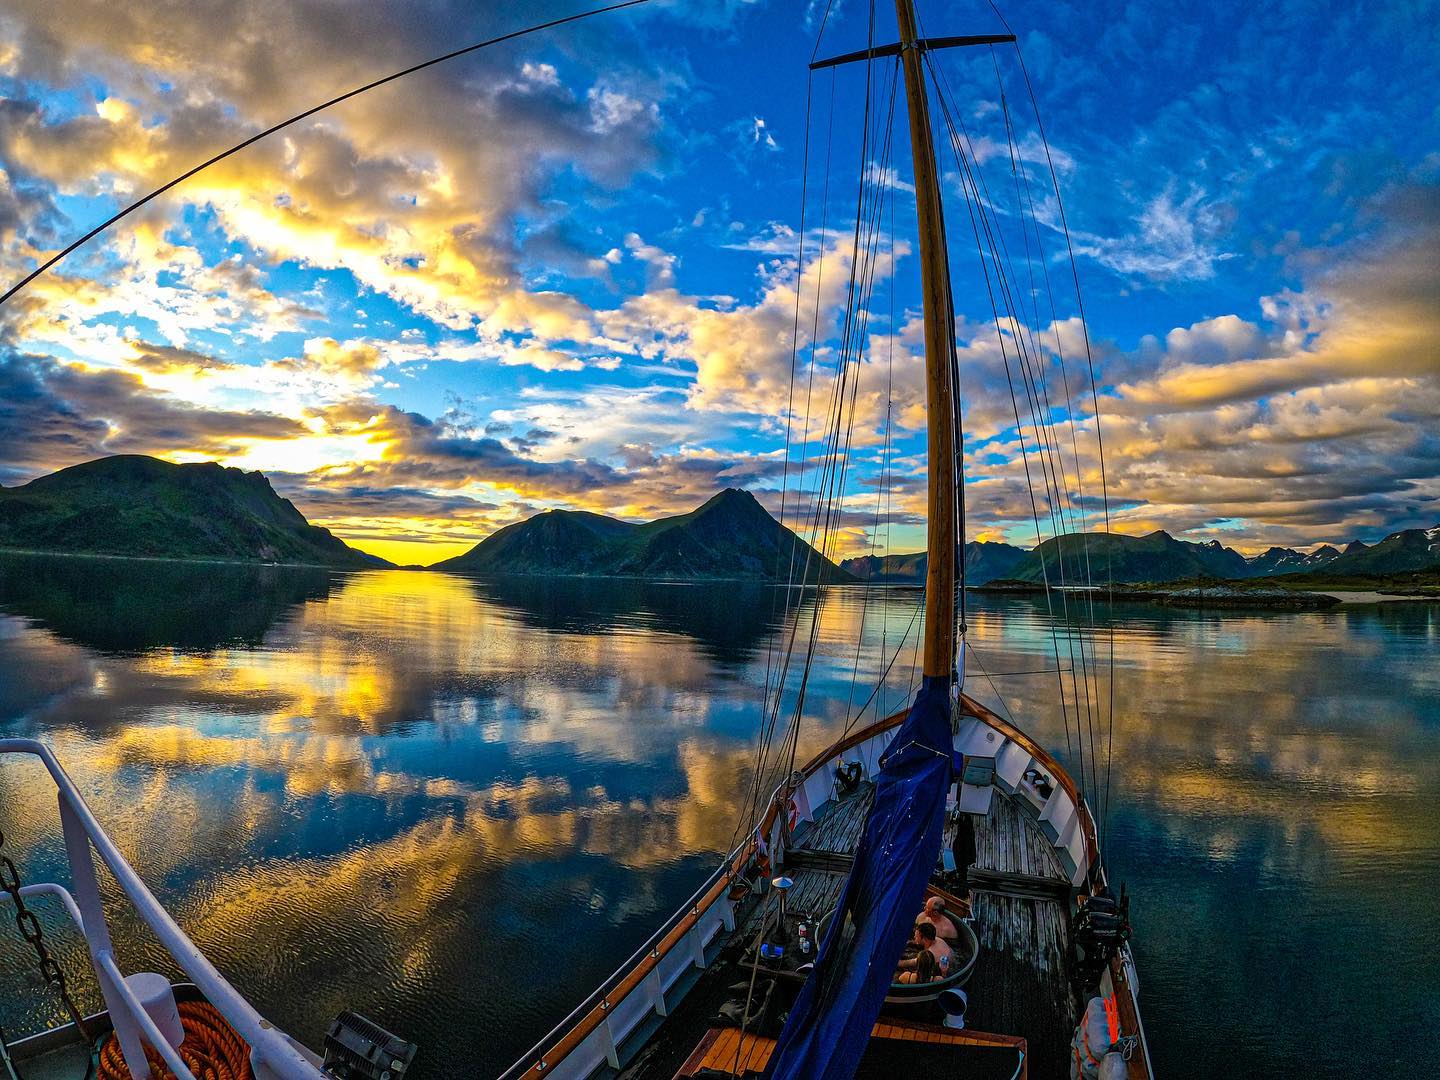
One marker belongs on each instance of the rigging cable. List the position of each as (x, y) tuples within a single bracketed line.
[(1057, 467), (829, 490), (825, 486), (1095, 400), (977, 204), (138, 203), (1090, 666), (770, 716)]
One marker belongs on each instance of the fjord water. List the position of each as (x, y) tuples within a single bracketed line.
[(454, 805)]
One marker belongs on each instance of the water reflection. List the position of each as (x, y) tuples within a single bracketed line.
[(396, 791), (133, 605)]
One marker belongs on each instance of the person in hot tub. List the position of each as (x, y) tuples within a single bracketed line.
[(926, 969), (935, 913), (937, 947)]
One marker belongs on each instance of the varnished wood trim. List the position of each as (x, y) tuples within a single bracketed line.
[(722, 1048), (1129, 1018)]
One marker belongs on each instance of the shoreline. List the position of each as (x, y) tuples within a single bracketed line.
[(185, 560)]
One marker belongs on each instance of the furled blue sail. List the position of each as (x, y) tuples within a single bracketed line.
[(826, 1032)]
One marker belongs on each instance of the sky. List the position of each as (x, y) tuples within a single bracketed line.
[(588, 268)]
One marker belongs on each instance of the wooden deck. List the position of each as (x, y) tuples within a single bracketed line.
[(728, 1051), (1022, 978), (1020, 987), (838, 823)]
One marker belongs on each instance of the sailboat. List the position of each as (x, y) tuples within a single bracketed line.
[(785, 963), (925, 893)]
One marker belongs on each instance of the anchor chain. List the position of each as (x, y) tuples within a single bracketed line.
[(31, 931)]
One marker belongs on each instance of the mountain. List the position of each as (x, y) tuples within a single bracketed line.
[(730, 536), (984, 562), (1157, 556), (142, 506), (1278, 560), (1409, 549)]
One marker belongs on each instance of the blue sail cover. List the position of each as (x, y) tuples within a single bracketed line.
[(826, 1032)]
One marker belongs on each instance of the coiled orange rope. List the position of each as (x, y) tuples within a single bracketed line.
[(211, 1049)]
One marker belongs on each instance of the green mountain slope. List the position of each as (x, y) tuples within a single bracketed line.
[(1409, 549), (985, 561), (141, 506), (1155, 557), (730, 536)]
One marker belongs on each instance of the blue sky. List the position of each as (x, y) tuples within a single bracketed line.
[(562, 272)]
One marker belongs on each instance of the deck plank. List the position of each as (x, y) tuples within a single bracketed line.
[(1021, 982), (838, 823)]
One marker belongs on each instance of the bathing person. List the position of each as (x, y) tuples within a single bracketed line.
[(935, 913), (926, 969), (924, 936)]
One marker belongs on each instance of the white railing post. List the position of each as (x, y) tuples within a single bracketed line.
[(271, 1048), (97, 939)]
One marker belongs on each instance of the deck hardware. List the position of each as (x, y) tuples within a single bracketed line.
[(31, 931), (360, 1049)]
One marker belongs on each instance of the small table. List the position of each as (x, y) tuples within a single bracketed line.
[(793, 960)]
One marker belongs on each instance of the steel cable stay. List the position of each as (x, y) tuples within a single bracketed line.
[(992, 269), (829, 488), (1057, 466), (216, 159), (1059, 486), (823, 518), (1080, 678), (887, 198), (1064, 508), (1094, 394)]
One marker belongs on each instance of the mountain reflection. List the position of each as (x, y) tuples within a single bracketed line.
[(131, 605), (402, 777), (728, 620), (400, 792)]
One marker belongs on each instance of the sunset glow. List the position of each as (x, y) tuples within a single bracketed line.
[(564, 271)]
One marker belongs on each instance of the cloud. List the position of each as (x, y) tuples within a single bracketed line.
[(1172, 239), (760, 135), (1323, 415), (414, 194), (52, 415)]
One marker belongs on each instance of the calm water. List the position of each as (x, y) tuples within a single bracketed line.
[(455, 805)]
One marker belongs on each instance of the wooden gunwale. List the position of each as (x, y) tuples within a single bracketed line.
[(547, 1057), (1139, 1064)]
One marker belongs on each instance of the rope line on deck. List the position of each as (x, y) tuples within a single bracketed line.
[(211, 1049)]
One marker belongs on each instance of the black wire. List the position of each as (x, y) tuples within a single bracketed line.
[(977, 204), (138, 203), (1095, 400)]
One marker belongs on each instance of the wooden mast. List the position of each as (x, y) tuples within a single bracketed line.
[(939, 347)]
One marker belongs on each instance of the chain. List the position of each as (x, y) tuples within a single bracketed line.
[(30, 930)]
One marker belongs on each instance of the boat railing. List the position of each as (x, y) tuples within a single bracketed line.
[(594, 1011), (273, 1054)]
